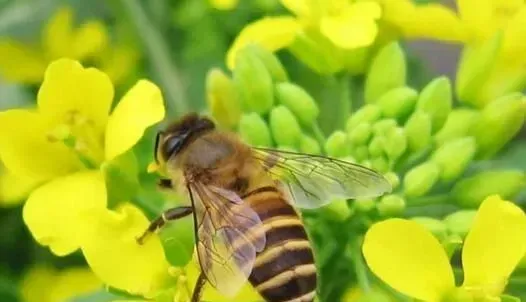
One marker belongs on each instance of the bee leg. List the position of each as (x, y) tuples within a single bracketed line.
[(169, 215), (198, 288)]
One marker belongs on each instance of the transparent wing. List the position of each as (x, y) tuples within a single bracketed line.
[(228, 237), (314, 180)]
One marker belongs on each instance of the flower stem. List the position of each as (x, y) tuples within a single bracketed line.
[(359, 265), (158, 54)]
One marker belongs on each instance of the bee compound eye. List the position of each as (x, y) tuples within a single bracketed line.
[(172, 145)]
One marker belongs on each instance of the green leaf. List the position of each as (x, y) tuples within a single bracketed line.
[(178, 241)]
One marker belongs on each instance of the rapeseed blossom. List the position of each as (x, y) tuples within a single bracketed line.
[(408, 258), (26, 63)]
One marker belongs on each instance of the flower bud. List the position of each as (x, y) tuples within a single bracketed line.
[(338, 210), (395, 144), (222, 98), (382, 127), (391, 205), (458, 124), (418, 131), (387, 71), (121, 176), (471, 191), (254, 130), (337, 144), (287, 148), (361, 153), (460, 222), (420, 179), (360, 134), (451, 244), (367, 114), (315, 51), (376, 146), (309, 145), (253, 82), (393, 179), (454, 156), (498, 124), (299, 102), (475, 62), (436, 100), (398, 103), (284, 126), (364, 205), (435, 226), (272, 63), (380, 164)]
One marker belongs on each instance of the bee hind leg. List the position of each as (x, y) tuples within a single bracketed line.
[(169, 215), (198, 288)]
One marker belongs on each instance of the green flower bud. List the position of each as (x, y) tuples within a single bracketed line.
[(391, 205), (222, 98), (254, 83), (309, 145), (454, 156), (471, 191), (451, 244), (395, 144), (498, 124), (315, 51), (338, 210), (277, 71), (393, 179), (361, 153), (254, 130), (376, 146), (366, 163), (380, 164), (398, 103), (337, 144), (299, 102), (435, 226), (418, 131), (387, 71), (284, 126), (460, 222), (475, 62), (367, 114), (382, 127), (360, 134), (287, 148), (420, 179), (436, 100), (458, 124), (364, 205), (122, 177)]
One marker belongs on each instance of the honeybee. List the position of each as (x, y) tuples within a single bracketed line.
[(243, 200)]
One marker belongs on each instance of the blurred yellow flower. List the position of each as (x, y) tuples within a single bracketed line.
[(62, 144), (224, 4), (46, 284), (347, 24), (26, 63), (411, 260), (13, 188)]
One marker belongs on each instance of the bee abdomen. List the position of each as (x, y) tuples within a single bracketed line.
[(284, 271)]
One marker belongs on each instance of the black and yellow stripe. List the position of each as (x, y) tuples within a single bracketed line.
[(284, 271)]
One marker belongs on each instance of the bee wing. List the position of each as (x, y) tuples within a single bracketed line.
[(227, 237), (314, 180)]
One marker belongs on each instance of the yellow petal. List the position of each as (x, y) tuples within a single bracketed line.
[(57, 34), (140, 108), (354, 27), (26, 150), (514, 43), (36, 283), (476, 14), (53, 212), (89, 40), (72, 283), (300, 8), (70, 88), (273, 33), (494, 246), (21, 63), (111, 250), (409, 258), (14, 189)]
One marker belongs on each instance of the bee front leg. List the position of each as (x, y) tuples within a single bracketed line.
[(169, 215), (198, 288)]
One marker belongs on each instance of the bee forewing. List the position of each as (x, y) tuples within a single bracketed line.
[(313, 181)]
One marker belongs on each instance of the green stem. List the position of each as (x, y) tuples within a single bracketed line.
[(319, 136), (359, 265), (157, 50)]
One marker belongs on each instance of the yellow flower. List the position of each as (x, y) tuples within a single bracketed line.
[(62, 143), (346, 24), (14, 188), (25, 63), (45, 284), (411, 260)]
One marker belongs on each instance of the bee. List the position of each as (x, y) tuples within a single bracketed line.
[(243, 201)]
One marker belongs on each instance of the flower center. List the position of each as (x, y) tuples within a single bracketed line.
[(80, 134)]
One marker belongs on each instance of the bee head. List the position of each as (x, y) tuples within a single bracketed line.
[(177, 136)]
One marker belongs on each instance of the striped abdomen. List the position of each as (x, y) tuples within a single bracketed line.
[(284, 271)]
